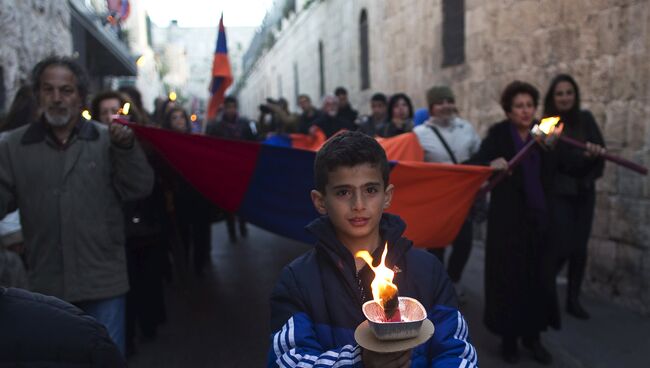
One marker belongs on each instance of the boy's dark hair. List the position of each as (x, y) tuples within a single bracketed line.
[(379, 97), (340, 91), (348, 149), (64, 61), (230, 99), (515, 88)]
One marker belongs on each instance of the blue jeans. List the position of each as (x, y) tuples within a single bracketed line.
[(110, 313)]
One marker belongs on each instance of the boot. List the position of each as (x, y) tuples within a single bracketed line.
[(575, 277), (574, 308), (540, 353), (232, 230), (243, 229), (509, 350)]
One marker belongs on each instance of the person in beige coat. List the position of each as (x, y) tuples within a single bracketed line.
[(69, 177)]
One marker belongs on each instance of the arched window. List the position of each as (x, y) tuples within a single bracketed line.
[(453, 32), (365, 53), (321, 68)]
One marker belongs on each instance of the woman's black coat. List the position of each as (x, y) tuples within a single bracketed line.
[(518, 300)]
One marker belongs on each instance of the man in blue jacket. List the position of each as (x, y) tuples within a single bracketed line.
[(316, 304)]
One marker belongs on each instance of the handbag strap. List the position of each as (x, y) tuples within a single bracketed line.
[(444, 143)]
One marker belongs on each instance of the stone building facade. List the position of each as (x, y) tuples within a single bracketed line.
[(604, 44), (31, 30)]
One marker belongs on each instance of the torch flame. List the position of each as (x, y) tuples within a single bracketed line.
[(548, 125), (382, 285)]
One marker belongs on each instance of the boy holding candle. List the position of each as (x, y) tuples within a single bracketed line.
[(316, 304)]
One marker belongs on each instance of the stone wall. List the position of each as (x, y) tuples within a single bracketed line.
[(31, 30), (605, 44)]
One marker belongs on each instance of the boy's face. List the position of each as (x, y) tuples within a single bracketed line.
[(354, 200)]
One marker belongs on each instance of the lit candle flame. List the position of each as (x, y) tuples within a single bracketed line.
[(172, 96), (548, 125), (86, 115), (126, 108), (382, 285), (193, 117)]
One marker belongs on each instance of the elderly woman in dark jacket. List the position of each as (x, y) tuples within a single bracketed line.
[(516, 275), (574, 187)]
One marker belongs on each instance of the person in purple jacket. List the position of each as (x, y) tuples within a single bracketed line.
[(316, 304)]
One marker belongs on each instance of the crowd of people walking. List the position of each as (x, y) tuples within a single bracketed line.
[(539, 218), (102, 215)]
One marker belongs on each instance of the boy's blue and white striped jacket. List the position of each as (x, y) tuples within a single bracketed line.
[(316, 304)]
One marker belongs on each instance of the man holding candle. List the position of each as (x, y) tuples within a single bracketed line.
[(68, 176), (316, 305)]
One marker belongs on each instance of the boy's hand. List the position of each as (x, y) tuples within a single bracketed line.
[(400, 359)]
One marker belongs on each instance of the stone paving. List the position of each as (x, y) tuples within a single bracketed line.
[(222, 319)]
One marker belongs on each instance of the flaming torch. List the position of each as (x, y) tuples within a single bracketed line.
[(384, 292), (552, 130), (550, 138), (547, 133)]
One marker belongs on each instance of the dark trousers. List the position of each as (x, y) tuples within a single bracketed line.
[(460, 250), (195, 234), (202, 245), (572, 219), (145, 302), (231, 221)]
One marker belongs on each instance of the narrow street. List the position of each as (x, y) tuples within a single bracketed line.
[(222, 319)]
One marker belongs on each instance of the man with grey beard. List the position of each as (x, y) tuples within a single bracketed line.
[(329, 121), (446, 138), (69, 177)]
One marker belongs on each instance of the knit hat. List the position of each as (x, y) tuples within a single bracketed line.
[(437, 94)]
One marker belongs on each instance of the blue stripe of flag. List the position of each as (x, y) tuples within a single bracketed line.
[(221, 39), (216, 84)]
